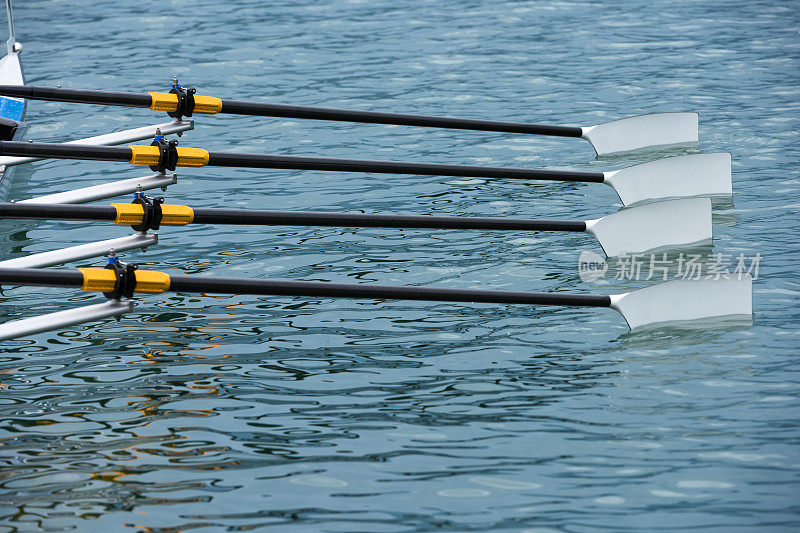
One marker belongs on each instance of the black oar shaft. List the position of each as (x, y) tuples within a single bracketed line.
[(237, 107), (312, 218), (228, 159), (233, 159), (57, 211), (77, 96), (66, 151), (296, 218), (280, 287), (392, 292), (41, 277)]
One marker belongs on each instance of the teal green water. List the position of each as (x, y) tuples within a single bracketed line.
[(230, 413)]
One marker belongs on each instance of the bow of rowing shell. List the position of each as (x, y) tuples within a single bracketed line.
[(12, 110)]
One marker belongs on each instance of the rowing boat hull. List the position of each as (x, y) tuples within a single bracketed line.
[(12, 112)]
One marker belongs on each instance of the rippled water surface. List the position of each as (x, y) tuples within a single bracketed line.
[(229, 413)]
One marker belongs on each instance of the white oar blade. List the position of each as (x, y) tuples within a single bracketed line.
[(643, 131), (670, 224), (687, 176), (686, 300)]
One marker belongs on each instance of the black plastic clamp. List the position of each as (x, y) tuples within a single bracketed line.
[(185, 102), (152, 212), (126, 279), (168, 154)]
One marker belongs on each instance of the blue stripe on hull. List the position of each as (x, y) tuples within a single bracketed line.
[(12, 108)]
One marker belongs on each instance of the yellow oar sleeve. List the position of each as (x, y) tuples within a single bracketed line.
[(164, 101), (149, 155), (129, 214), (144, 155), (192, 157), (207, 105), (171, 215), (104, 280), (151, 281), (176, 215), (98, 279)]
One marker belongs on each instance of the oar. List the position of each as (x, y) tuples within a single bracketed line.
[(638, 229), (675, 177), (622, 135), (679, 300)]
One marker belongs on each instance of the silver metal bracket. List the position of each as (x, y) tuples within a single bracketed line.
[(62, 319), (83, 251), (106, 190)]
